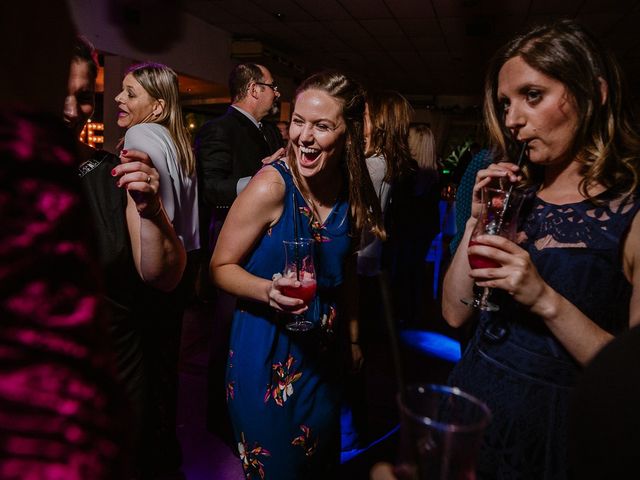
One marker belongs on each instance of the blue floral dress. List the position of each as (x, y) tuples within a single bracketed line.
[(283, 388), (516, 365)]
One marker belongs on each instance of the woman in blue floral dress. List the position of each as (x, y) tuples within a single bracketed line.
[(283, 388), (571, 281)]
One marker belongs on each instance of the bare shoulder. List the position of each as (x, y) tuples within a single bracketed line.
[(263, 197), (632, 250), (267, 184)]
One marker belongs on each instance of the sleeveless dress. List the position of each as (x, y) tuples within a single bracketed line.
[(283, 388), (516, 365)]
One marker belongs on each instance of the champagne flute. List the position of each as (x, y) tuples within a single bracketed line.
[(499, 216), (299, 266)]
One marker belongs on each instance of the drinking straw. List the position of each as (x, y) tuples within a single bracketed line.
[(521, 157), (523, 151), (296, 254)]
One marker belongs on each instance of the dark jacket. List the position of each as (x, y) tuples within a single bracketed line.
[(228, 148)]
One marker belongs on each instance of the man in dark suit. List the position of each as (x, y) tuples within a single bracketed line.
[(229, 150)]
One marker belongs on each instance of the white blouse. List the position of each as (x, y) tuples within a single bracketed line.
[(179, 191), (370, 253)]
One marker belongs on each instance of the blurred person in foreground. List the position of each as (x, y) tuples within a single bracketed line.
[(61, 410), (284, 388), (570, 282)]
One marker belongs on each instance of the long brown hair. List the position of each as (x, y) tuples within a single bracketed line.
[(363, 202), (606, 140), (161, 83), (390, 115)]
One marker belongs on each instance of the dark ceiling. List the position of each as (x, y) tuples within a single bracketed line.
[(419, 47)]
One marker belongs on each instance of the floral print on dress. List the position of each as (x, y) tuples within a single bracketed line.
[(282, 379), (250, 462), (306, 441), (315, 225), (328, 319), (231, 390)]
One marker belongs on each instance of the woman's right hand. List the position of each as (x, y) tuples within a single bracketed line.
[(505, 172), (279, 301), (140, 178)]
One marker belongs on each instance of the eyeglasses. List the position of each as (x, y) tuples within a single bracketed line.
[(272, 86)]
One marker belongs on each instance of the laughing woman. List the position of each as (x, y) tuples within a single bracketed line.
[(283, 388), (150, 111), (572, 280)]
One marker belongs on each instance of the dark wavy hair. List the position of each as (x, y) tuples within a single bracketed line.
[(363, 202), (390, 115), (606, 140)]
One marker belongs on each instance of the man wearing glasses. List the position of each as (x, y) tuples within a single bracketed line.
[(229, 150)]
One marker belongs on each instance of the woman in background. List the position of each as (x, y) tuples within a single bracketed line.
[(386, 129), (150, 111), (415, 221), (284, 388), (571, 281), (422, 145)]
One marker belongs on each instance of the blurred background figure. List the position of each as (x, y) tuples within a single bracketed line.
[(150, 112), (283, 127), (387, 119), (414, 215), (62, 411), (386, 127), (422, 145)]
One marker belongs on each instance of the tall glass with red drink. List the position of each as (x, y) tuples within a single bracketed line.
[(299, 265), (499, 216)]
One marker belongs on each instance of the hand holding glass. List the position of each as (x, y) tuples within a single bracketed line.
[(499, 216), (299, 266)]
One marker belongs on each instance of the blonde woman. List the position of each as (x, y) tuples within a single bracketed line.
[(150, 111), (422, 145)]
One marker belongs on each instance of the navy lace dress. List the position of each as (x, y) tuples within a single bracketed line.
[(516, 365)]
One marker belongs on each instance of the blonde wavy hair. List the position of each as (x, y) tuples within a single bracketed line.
[(161, 83), (422, 145)]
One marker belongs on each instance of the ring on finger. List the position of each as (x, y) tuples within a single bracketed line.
[(148, 180)]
